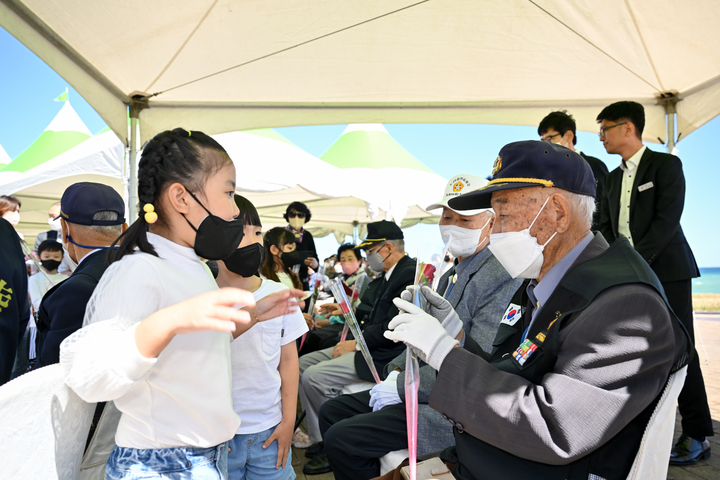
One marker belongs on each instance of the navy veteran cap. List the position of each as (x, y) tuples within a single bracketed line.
[(81, 201), (531, 163), (381, 231)]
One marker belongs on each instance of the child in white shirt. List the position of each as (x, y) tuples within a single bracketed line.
[(265, 372), (156, 336)]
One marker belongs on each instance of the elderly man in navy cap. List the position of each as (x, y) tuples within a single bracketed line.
[(572, 381), (92, 216)]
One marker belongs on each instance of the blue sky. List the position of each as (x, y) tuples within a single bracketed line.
[(29, 87)]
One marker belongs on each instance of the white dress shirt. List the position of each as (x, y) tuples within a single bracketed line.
[(629, 169), (181, 398)]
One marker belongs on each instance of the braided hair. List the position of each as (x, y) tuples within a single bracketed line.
[(173, 156)]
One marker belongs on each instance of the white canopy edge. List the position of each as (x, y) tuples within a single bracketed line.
[(111, 103)]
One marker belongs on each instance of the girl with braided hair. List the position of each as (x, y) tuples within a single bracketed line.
[(156, 335)]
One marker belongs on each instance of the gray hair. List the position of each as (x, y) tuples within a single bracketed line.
[(399, 245), (105, 231), (582, 207)]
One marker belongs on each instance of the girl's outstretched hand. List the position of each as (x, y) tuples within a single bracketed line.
[(272, 306), (216, 310)]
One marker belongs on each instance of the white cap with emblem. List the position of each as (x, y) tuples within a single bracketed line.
[(458, 185)]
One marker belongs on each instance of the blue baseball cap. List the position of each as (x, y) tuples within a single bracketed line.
[(531, 163), (81, 201)]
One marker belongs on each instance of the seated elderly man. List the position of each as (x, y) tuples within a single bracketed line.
[(359, 429), (571, 383), (92, 217)]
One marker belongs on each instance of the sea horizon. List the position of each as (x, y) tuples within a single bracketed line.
[(708, 282)]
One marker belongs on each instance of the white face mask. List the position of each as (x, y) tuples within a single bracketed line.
[(462, 242), (296, 223), (54, 224), (518, 252)]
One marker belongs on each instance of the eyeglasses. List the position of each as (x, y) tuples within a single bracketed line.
[(603, 130), (296, 214), (548, 138)]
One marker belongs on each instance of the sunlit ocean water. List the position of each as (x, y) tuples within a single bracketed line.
[(709, 281)]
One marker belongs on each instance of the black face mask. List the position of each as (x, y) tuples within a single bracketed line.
[(50, 265), (290, 259), (216, 238), (246, 260)]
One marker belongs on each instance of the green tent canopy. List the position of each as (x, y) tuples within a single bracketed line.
[(64, 132), (370, 146)]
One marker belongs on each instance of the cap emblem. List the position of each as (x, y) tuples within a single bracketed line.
[(458, 186), (497, 165)]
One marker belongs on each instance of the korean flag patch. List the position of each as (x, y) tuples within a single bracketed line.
[(512, 315)]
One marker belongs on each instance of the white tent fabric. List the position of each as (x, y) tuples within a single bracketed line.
[(226, 65)]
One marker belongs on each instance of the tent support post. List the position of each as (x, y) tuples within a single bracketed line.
[(356, 234), (137, 103), (669, 101)]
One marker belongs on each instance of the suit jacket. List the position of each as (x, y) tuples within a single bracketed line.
[(480, 296), (654, 215), (384, 310), (42, 236), (62, 308), (599, 170), (613, 359), (14, 303)]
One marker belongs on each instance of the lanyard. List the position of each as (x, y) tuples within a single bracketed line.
[(450, 286)]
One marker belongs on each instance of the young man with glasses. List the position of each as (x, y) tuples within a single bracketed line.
[(643, 201), (559, 127)]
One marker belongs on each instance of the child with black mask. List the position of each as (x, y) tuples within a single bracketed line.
[(265, 372)]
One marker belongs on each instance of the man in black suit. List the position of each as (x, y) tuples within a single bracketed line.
[(92, 217), (559, 127), (324, 373), (643, 200)]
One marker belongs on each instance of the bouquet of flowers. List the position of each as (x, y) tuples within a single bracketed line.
[(349, 316)]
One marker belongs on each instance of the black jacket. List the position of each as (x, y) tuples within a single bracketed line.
[(654, 215), (384, 310), (62, 308), (14, 303)]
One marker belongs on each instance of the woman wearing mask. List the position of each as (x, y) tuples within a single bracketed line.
[(10, 210), (297, 215)]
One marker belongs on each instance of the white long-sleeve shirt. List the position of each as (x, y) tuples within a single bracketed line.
[(181, 398)]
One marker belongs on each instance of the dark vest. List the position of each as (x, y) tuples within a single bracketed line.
[(618, 265)]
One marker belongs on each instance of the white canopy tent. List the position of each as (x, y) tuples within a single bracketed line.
[(226, 65)]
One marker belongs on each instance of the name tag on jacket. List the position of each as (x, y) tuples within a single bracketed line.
[(648, 185)]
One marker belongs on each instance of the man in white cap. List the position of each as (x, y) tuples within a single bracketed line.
[(361, 428)]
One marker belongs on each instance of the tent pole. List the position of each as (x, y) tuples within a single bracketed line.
[(356, 234), (669, 101), (132, 168), (137, 103), (670, 131)]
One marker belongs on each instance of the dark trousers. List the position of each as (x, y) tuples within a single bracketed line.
[(356, 437), (693, 402)]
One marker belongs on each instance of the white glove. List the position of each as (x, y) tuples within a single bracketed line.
[(421, 332), (385, 393), (437, 307)]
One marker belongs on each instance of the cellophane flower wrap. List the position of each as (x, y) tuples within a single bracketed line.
[(349, 316), (424, 276)]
